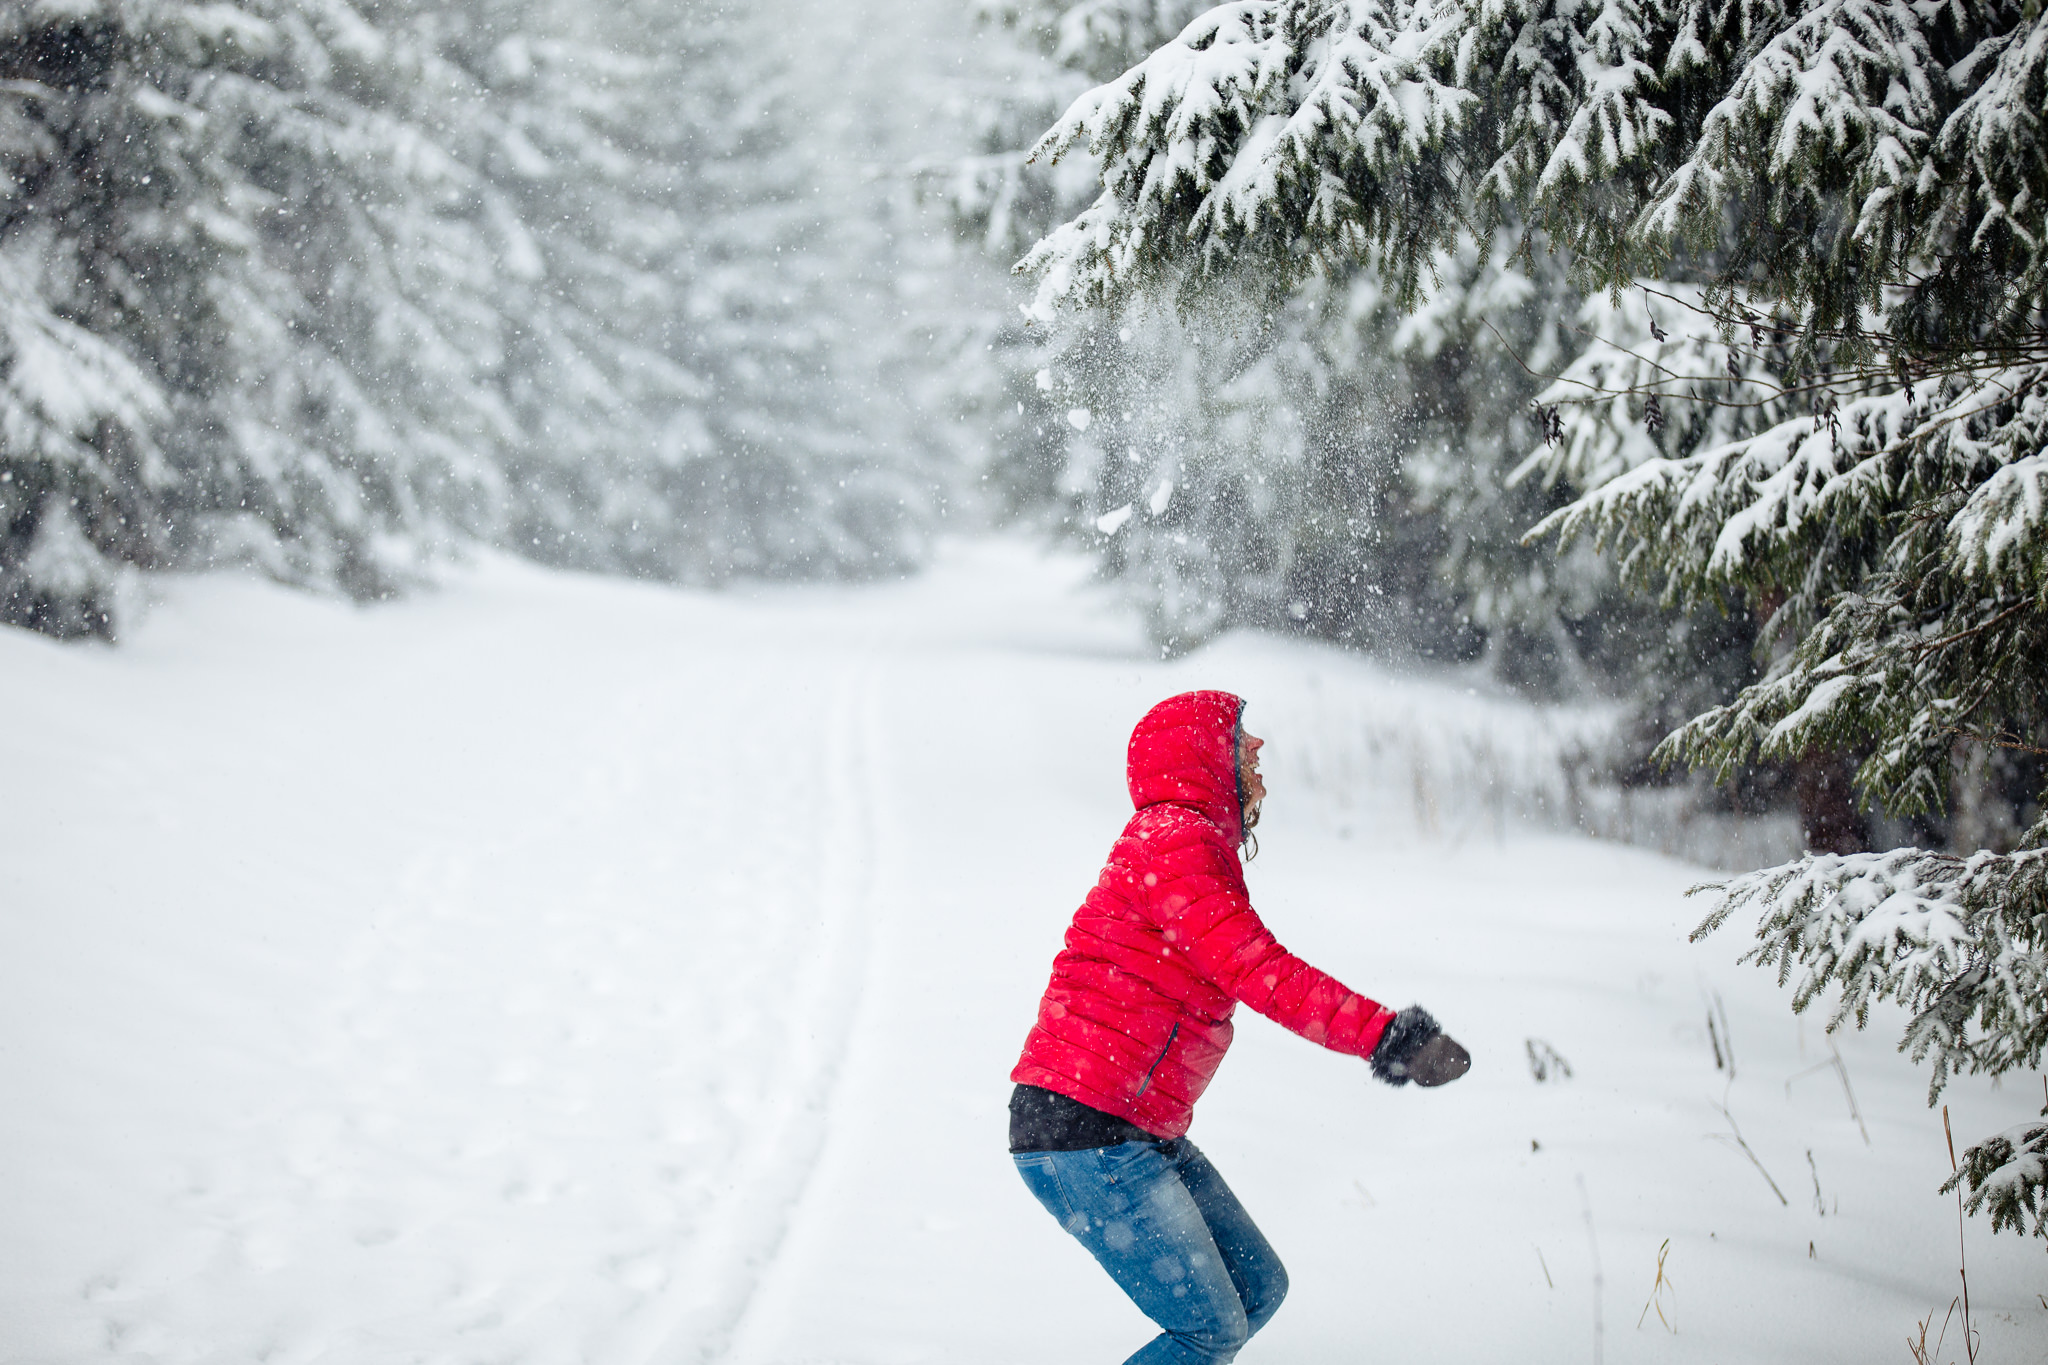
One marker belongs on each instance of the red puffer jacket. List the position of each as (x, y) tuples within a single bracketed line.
[(1137, 1017)]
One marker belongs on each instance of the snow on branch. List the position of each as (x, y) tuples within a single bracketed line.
[(61, 386), (2001, 532), (1863, 165), (1894, 541), (1750, 512), (1961, 943), (2008, 1176), (1287, 130), (1849, 79)]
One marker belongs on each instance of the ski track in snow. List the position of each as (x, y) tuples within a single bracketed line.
[(738, 1242), (495, 1092), (553, 969)]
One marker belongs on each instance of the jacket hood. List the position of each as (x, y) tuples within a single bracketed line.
[(1185, 752)]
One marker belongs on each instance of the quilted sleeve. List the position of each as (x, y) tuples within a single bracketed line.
[(1209, 920)]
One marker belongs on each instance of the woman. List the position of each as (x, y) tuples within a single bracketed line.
[(1137, 1018)]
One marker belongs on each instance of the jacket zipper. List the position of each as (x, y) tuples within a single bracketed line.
[(1146, 1084)]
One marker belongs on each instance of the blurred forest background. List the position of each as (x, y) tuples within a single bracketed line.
[(694, 293)]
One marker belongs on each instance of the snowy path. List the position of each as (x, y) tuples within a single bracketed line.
[(391, 959), (560, 970)]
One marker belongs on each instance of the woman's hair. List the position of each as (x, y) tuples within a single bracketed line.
[(1247, 815)]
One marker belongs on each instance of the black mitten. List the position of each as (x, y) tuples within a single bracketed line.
[(1414, 1049)]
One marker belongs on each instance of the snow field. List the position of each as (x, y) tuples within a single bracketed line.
[(555, 969)]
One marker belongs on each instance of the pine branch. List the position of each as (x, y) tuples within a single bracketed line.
[(2007, 1176), (1959, 942), (1932, 645), (2012, 742)]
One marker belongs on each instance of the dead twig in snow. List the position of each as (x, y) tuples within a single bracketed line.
[(1841, 1070), (1599, 1280), (1734, 1134), (1719, 1036)]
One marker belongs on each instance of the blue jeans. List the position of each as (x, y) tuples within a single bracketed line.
[(1171, 1234)]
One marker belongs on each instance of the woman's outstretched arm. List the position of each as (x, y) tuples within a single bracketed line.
[(1224, 939)]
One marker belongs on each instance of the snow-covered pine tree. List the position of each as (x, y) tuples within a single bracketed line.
[(330, 288), (1055, 51), (810, 459), (82, 469), (685, 277), (581, 198), (1316, 483), (204, 199), (1859, 186)]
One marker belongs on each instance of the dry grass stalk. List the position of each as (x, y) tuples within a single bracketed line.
[(1962, 1252), (1923, 1354), (1657, 1292)]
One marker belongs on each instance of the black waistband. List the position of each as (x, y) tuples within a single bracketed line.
[(1046, 1121)]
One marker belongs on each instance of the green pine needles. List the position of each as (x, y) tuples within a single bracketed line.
[(1815, 389)]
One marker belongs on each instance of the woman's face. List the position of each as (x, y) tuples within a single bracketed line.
[(1248, 746)]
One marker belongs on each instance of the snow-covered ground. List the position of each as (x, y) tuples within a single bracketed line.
[(552, 969)]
